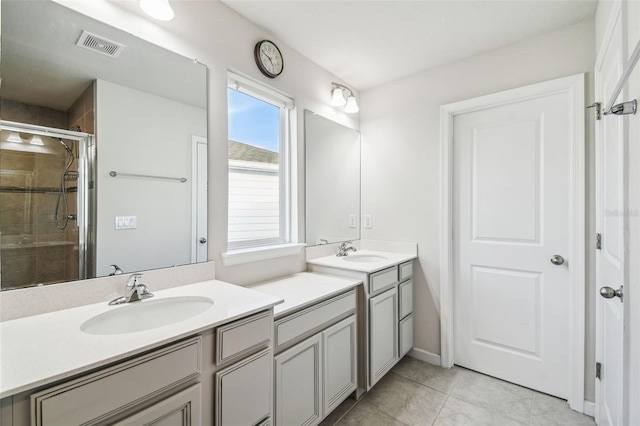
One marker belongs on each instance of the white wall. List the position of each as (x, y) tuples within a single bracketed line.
[(149, 135), (223, 40), (400, 150), (631, 35)]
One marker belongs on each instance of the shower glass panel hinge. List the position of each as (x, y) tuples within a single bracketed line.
[(598, 241), (598, 371), (596, 111)]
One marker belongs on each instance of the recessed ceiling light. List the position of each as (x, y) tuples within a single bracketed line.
[(157, 9)]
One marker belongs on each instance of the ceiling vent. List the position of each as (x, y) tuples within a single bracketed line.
[(100, 44)]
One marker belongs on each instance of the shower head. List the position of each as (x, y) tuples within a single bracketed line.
[(69, 151)]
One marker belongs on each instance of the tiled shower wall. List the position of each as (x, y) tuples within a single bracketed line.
[(33, 249)]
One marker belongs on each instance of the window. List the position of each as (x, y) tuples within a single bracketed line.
[(259, 188)]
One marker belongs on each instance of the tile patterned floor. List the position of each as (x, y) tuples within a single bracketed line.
[(418, 393)]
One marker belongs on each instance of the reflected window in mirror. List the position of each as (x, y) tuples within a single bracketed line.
[(259, 200)]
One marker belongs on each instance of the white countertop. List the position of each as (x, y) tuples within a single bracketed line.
[(42, 349), (368, 267), (303, 289)]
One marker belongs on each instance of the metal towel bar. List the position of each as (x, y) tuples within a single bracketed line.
[(114, 174)]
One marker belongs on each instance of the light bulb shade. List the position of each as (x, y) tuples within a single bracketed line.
[(352, 105), (157, 9), (36, 140), (337, 97), (14, 137)]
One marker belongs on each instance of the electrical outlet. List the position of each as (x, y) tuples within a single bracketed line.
[(368, 223), (352, 221), (126, 222)]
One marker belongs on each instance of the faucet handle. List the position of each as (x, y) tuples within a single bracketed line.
[(133, 280)]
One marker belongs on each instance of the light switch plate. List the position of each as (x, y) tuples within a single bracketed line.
[(352, 221), (368, 224), (126, 222)]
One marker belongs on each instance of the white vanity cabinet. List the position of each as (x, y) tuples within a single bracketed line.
[(221, 376), (102, 395), (386, 315), (315, 362), (245, 378), (181, 409), (383, 333), (298, 384)]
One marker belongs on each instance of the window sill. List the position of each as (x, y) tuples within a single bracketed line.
[(256, 254)]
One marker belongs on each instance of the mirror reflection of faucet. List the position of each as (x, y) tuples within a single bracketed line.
[(344, 248), (116, 270)]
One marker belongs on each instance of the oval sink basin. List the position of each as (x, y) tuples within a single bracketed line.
[(364, 258), (146, 315)]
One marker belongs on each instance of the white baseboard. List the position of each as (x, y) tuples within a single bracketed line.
[(589, 408), (425, 356)]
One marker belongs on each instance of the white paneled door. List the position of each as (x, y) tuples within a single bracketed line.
[(511, 241), (611, 205)]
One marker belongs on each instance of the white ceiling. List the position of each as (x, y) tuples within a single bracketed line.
[(369, 43)]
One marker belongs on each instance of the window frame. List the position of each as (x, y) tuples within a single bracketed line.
[(286, 114)]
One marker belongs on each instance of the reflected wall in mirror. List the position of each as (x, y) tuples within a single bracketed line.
[(332, 172), (136, 108)]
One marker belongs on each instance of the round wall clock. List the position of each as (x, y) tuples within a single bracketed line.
[(268, 58)]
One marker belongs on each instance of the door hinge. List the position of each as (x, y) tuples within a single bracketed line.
[(596, 111), (598, 241), (598, 371)]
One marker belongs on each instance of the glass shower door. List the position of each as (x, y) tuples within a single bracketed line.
[(42, 206)]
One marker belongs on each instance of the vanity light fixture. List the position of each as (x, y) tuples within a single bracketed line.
[(338, 99), (157, 9), (14, 137), (36, 140)]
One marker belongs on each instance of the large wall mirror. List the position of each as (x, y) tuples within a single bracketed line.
[(103, 150), (332, 174)]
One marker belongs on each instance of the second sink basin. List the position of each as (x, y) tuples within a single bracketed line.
[(363, 258), (146, 315)]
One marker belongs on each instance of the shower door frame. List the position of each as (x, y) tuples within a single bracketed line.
[(86, 190)]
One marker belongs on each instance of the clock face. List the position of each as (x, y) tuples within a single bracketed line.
[(268, 58)]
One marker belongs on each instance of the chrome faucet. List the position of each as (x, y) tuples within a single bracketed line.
[(135, 291), (344, 248)]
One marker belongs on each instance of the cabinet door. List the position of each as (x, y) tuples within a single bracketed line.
[(243, 391), (406, 335), (181, 409), (299, 384), (383, 337), (340, 354)]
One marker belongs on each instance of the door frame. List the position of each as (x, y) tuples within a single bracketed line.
[(574, 86), (195, 190)]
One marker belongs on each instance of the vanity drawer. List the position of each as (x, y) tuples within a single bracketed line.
[(97, 396), (243, 336), (380, 280), (315, 317), (405, 298), (405, 270)]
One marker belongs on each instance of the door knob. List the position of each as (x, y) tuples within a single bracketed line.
[(203, 240), (556, 259), (609, 293)]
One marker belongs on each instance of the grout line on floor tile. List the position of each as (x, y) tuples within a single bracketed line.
[(533, 397), (419, 383), (440, 410), (386, 414)]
